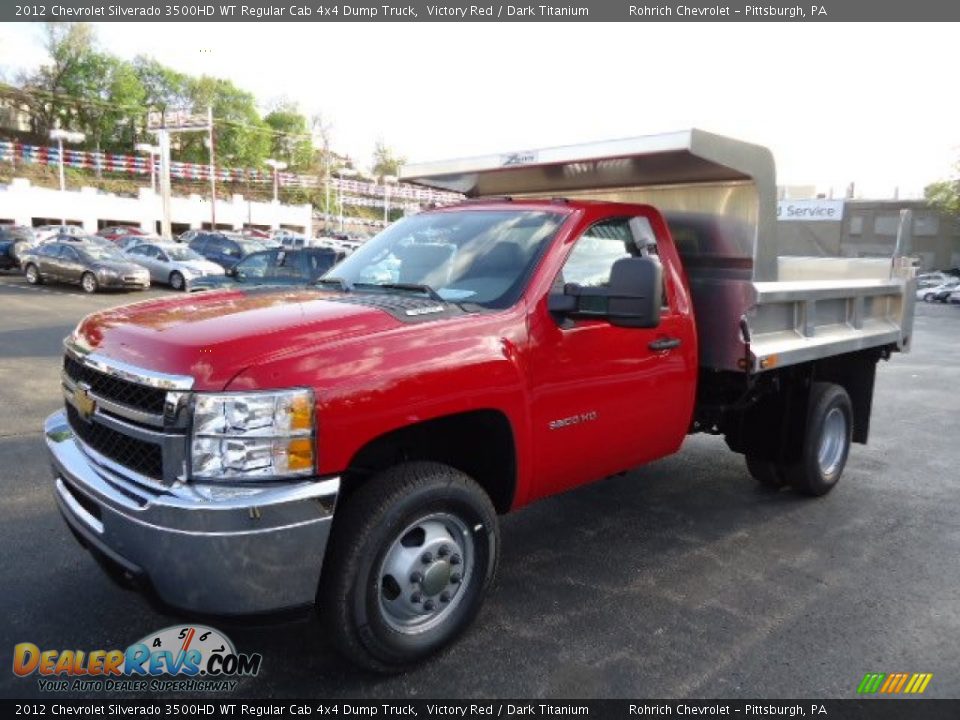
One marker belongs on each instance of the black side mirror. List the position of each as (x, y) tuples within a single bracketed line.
[(632, 297)]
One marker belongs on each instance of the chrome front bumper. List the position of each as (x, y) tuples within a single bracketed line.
[(203, 548)]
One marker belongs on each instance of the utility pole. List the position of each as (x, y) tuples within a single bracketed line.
[(213, 171), (163, 138)]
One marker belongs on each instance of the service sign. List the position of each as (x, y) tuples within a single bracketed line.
[(810, 210)]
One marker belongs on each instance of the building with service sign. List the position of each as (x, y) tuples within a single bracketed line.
[(867, 228)]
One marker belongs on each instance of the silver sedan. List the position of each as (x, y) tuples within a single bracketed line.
[(172, 264)]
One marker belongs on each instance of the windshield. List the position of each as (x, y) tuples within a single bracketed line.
[(181, 253), (481, 257), (102, 252)]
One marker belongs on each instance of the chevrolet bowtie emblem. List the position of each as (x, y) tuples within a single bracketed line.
[(83, 402)]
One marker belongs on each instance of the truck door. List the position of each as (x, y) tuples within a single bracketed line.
[(607, 398)]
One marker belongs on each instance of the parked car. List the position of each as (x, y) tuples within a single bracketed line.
[(188, 235), (45, 233), (275, 267), (225, 249), (81, 239), (940, 293), (255, 233), (15, 241), (954, 298), (91, 266), (172, 264), (115, 232), (128, 241)]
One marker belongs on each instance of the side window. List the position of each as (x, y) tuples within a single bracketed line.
[(231, 249), (601, 245), (69, 254), (51, 250), (597, 249), (255, 266)]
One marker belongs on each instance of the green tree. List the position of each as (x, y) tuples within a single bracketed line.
[(163, 87), (70, 46), (385, 160), (290, 141), (944, 195), (242, 137)]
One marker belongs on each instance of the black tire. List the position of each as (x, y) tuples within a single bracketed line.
[(88, 283), (177, 282), (32, 273), (810, 476), (928, 298), (767, 473), (371, 522)]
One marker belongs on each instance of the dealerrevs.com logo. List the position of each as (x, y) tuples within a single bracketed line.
[(178, 658)]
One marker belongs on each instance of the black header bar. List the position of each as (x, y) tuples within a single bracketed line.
[(320, 11)]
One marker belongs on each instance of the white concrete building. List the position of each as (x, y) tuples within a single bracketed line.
[(26, 204)]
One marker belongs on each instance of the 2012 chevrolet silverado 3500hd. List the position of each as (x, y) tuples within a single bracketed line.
[(350, 445)]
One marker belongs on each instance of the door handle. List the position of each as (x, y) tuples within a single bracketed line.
[(666, 343)]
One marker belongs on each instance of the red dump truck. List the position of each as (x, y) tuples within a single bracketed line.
[(349, 446)]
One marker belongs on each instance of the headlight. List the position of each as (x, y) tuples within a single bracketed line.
[(252, 435)]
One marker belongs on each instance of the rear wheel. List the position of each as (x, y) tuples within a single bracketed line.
[(412, 554), (89, 283), (32, 273), (928, 298), (176, 281), (827, 440)]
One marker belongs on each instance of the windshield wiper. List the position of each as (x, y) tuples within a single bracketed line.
[(338, 281), (411, 287)]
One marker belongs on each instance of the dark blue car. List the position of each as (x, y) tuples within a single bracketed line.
[(274, 267), (225, 249)]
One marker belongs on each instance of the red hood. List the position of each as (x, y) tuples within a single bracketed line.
[(214, 335)]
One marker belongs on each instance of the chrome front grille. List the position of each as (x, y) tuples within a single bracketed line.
[(108, 387), (134, 418), (143, 458)]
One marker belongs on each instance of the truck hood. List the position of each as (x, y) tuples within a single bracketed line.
[(215, 335)]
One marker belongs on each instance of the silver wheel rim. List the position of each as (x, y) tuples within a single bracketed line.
[(424, 574), (31, 274), (833, 441), (88, 283), (176, 280)]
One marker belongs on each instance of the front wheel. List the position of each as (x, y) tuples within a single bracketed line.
[(177, 281), (89, 283), (32, 273), (411, 557), (928, 298), (827, 440)]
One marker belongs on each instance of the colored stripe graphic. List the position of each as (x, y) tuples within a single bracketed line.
[(894, 683)]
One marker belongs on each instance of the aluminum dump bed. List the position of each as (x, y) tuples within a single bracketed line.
[(719, 198)]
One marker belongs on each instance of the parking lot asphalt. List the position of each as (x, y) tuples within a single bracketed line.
[(680, 579)]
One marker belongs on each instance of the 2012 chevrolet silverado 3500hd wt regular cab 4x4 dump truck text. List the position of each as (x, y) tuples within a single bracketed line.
[(351, 444)]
